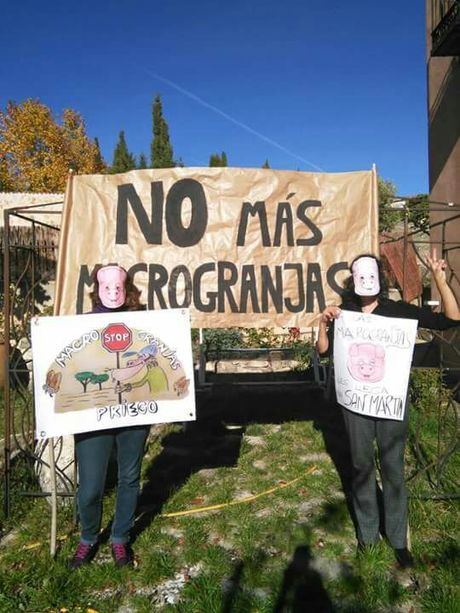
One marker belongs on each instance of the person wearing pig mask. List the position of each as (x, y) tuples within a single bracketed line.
[(366, 291), (114, 291)]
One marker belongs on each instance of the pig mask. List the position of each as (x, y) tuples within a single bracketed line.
[(366, 277), (112, 286), (366, 362)]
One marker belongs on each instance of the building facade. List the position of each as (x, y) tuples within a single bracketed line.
[(443, 80)]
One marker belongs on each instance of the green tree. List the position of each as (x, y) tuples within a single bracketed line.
[(388, 217), (142, 163), (419, 212), (266, 164), (99, 164), (161, 148), (123, 160), (216, 160)]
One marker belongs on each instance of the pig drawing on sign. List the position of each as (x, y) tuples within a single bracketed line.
[(366, 362), (142, 368)]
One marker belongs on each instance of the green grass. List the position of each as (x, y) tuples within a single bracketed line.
[(245, 557)]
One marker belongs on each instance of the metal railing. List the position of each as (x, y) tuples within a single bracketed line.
[(27, 268), (439, 9)]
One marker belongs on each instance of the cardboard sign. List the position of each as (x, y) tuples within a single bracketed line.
[(372, 360), (239, 247), (107, 370)]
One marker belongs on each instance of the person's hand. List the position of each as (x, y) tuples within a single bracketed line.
[(329, 313), (436, 267)]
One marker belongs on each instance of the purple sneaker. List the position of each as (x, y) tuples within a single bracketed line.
[(122, 554), (84, 553)]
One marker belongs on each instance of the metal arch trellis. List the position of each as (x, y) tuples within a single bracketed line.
[(447, 409), (29, 264)]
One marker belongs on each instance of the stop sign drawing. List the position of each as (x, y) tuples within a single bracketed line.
[(116, 337)]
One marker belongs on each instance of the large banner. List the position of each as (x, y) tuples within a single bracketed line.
[(107, 370), (238, 247), (372, 360)]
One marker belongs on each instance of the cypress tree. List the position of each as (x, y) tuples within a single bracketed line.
[(142, 161), (266, 164), (123, 160), (99, 164), (161, 148)]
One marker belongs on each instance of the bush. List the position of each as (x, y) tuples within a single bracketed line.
[(433, 429), (222, 338)]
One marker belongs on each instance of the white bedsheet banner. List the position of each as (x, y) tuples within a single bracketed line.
[(108, 370), (372, 360)]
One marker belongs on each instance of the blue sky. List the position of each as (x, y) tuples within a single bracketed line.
[(307, 84)]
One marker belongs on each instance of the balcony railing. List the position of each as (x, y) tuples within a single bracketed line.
[(445, 27)]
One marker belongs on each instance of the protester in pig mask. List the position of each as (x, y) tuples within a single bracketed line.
[(114, 291), (366, 291)]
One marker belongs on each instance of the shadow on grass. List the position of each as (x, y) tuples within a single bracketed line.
[(183, 454), (333, 517), (302, 587), (448, 557), (209, 443), (235, 597)]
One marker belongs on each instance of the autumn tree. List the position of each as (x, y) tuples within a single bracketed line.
[(123, 160), (36, 151), (4, 178), (216, 160), (161, 148)]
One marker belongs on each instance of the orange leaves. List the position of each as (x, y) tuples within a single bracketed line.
[(36, 152)]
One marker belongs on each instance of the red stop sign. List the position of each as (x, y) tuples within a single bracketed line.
[(116, 337)]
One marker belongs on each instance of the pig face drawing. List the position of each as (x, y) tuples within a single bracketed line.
[(366, 362)]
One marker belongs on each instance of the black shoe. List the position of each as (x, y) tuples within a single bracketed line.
[(404, 558), (122, 554), (83, 554)]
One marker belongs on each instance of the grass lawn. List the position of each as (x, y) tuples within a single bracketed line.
[(290, 549)]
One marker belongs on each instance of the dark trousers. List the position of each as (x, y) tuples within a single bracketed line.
[(390, 436), (93, 451)]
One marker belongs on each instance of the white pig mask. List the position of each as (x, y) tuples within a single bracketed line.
[(112, 286), (366, 276)]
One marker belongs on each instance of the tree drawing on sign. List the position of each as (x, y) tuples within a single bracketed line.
[(100, 379), (86, 377)]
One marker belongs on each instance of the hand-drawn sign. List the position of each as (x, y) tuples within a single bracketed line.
[(103, 371), (372, 358), (116, 337)]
